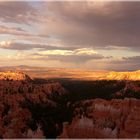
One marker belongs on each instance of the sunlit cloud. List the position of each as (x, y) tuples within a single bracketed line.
[(83, 51), (88, 51), (56, 52), (5, 44)]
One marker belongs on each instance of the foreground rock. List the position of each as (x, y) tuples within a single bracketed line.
[(100, 118), (29, 110)]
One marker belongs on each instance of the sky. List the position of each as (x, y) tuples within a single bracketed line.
[(98, 35)]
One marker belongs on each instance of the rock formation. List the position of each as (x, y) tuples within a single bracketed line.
[(16, 76), (68, 109), (106, 119), (123, 76)]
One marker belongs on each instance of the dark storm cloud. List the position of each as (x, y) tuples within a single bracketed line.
[(99, 24)]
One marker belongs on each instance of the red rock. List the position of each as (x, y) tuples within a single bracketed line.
[(110, 119)]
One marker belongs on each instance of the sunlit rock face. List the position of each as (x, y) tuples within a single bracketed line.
[(105, 119), (123, 75), (16, 76)]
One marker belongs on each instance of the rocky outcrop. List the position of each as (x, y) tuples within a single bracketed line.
[(105, 119), (28, 109), (15, 76), (123, 76)]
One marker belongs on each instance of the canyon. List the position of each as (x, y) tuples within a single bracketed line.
[(33, 107)]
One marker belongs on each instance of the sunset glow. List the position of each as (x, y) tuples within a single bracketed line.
[(94, 35)]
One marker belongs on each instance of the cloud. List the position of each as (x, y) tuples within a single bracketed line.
[(5, 44), (112, 64), (17, 12), (54, 53), (13, 31), (72, 34), (94, 61), (133, 59), (83, 51), (123, 64), (11, 45), (97, 24), (74, 56), (70, 61), (102, 25)]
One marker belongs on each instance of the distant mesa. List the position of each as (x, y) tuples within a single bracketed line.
[(123, 75), (15, 76)]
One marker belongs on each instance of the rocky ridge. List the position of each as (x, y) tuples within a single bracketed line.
[(123, 76), (15, 76)]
